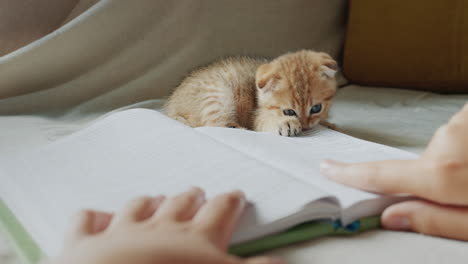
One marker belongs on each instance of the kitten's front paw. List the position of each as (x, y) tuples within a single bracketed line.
[(289, 128)]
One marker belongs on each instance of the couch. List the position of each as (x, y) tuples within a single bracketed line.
[(117, 54)]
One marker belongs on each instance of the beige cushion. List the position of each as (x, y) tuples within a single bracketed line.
[(420, 44)]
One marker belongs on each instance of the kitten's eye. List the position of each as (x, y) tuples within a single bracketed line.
[(289, 112), (316, 109)]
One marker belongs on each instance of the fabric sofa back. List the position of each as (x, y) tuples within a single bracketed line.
[(119, 52)]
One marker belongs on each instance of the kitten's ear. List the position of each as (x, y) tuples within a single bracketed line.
[(328, 69), (266, 73)]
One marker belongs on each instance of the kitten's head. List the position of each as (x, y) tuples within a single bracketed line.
[(300, 84)]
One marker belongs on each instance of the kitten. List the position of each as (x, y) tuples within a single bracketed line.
[(290, 94)]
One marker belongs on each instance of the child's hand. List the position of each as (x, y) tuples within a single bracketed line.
[(184, 229), (440, 176)]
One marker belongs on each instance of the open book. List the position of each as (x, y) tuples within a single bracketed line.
[(143, 152)]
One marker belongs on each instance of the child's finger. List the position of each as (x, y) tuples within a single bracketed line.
[(138, 209), (87, 222), (428, 218), (218, 218), (181, 207), (389, 176), (102, 221)]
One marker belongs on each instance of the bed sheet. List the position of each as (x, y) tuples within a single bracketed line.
[(400, 118)]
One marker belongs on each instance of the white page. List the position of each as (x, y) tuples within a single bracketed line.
[(301, 156), (138, 152)]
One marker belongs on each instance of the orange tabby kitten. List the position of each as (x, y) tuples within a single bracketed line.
[(285, 96)]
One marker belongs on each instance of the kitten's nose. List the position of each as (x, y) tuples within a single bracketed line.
[(308, 125), (305, 125)]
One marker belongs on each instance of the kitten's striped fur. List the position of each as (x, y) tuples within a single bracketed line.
[(253, 93)]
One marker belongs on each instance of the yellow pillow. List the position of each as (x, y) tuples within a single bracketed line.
[(420, 44)]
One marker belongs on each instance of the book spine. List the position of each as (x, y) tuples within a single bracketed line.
[(304, 232)]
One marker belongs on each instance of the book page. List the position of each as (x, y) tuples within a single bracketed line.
[(133, 153), (301, 156)]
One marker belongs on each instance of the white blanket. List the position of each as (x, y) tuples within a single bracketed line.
[(399, 118)]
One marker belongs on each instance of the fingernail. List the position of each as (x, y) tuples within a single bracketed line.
[(195, 189), (159, 197), (241, 195), (157, 200), (102, 222), (397, 223), (328, 168), (200, 199), (242, 199)]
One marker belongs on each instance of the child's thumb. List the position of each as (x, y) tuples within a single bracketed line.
[(427, 218)]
